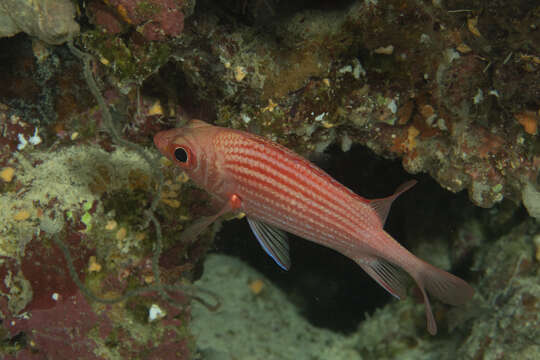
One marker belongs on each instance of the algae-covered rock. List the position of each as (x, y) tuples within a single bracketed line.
[(52, 21), (257, 321), (531, 200)]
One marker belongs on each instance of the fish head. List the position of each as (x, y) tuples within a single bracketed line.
[(191, 148)]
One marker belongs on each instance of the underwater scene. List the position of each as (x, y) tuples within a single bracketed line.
[(269, 179)]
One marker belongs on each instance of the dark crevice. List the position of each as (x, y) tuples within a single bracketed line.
[(258, 13)]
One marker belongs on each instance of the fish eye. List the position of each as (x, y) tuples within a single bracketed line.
[(181, 155)]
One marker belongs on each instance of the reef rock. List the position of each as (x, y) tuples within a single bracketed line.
[(50, 20)]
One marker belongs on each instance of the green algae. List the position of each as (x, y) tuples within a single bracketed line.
[(127, 61), (146, 9)]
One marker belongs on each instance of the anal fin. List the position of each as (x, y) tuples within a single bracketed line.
[(386, 274)]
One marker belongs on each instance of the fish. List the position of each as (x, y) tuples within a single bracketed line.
[(281, 192)]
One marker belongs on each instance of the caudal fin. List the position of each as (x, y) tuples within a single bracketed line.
[(446, 287)]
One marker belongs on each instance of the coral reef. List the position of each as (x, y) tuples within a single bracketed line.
[(71, 226), (433, 97), (60, 193), (448, 89), (437, 90), (153, 19)]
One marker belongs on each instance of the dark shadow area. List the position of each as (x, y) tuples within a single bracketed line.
[(34, 85), (171, 86), (263, 12), (19, 86), (328, 288)]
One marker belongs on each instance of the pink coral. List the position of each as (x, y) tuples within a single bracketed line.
[(61, 332), (154, 19)]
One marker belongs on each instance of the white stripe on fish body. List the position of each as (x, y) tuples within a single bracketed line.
[(298, 218), (308, 229), (286, 160), (278, 206), (312, 179)]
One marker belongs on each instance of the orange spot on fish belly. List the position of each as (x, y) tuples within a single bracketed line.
[(235, 202)]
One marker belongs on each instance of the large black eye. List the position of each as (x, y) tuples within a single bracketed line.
[(181, 155)]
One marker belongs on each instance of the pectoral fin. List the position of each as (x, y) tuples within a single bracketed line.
[(273, 241), (191, 233)]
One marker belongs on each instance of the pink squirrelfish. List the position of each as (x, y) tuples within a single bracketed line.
[(279, 191)]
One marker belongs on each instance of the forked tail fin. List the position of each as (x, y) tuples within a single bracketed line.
[(386, 259), (446, 287)]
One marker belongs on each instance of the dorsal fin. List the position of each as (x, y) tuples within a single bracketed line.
[(382, 206)]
